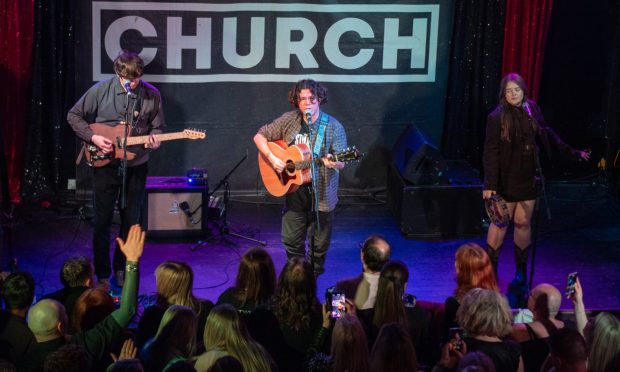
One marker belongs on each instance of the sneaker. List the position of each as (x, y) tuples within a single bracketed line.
[(104, 284), (120, 278)]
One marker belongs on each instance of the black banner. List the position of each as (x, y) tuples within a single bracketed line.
[(227, 68)]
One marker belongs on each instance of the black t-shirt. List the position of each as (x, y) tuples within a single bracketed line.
[(301, 200)]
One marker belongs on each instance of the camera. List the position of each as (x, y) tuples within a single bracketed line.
[(336, 301)]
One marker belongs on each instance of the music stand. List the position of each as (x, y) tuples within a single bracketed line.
[(224, 229)]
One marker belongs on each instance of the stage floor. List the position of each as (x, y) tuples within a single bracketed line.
[(583, 236)]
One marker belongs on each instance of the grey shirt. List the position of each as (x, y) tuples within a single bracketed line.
[(106, 102)]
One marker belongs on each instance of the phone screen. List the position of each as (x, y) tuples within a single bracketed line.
[(570, 284), (338, 305)]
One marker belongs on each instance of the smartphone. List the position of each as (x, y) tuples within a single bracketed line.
[(457, 342), (570, 284), (336, 301)]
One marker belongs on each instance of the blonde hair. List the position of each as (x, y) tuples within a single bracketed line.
[(485, 312), (174, 281), (224, 330), (605, 344)]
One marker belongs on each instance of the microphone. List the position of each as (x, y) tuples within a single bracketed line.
[(308, 114), (185, 208), (527, 108), (127, 86)]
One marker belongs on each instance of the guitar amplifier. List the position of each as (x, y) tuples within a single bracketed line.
[(174, 209)]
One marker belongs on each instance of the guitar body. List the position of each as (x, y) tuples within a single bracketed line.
[(289, 180), (96, 158)]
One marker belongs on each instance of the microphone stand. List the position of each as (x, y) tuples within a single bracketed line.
[(315, 194), (224, 229), (123, 168)]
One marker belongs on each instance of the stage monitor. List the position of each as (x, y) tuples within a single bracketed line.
[(417, 160)]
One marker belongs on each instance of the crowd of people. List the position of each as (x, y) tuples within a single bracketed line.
[(269, 323)]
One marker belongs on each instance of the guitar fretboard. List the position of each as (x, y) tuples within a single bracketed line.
[(140, 140)]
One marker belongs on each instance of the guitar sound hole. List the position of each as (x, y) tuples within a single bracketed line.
[(290, 167)]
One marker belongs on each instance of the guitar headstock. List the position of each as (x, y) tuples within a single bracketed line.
[(194, 133), (349, 154)]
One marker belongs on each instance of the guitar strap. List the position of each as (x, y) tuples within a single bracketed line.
[(321, 134)]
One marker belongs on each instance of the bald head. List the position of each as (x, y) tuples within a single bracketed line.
[(545, 301), (47, 319), (376, 252)]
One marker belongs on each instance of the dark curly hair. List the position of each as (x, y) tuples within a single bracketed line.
[(18, 290), (295, 300), (315, 87)]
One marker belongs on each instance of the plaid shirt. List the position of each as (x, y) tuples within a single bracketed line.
[(287, 126)]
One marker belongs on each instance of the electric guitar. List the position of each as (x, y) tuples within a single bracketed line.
[(96, 158), (298, 159)]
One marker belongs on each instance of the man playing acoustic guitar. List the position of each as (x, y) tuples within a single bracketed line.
[(122, 98), (328, 137)]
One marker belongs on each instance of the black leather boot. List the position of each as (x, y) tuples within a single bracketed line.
[(521, 256), (493, 254)]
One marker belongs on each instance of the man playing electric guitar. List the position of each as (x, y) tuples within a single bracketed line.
[(122, 98), (328, 136)]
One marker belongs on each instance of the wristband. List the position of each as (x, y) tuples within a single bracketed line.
[(131, 267)]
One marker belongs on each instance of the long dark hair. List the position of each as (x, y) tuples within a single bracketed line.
[(507, 118), (256, 278), (295, 300), (389, 306)]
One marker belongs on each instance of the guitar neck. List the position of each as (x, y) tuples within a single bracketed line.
[(307, 163), (140, 140)]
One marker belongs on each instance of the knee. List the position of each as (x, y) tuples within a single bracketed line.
[(522, 223)]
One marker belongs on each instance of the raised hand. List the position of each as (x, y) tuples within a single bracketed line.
[(128, 351), (134, 245)]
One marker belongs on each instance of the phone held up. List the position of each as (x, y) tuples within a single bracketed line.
[(570, 284), (457, 342), (336, 301)]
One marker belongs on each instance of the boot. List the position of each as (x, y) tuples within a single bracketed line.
[(493, 254), (521, 256)]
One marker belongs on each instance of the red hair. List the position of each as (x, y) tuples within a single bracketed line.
[(90, 308), (473, 270)]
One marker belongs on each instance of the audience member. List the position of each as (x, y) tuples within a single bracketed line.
[(16, 339), (68, 358), (255, 283), (568, 352), (390, 308), (602, 335), (76, 276), (476, 361), (174, 281), (225, 335), (295, 305), (486, 318), (175, 340), (473, 270), (349, 348), (544, 303), (362, 289), (393, 350), (93, 305), (48, 319), (226, 364)]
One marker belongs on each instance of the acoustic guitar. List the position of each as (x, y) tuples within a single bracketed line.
[(96, 158), (298, 159)]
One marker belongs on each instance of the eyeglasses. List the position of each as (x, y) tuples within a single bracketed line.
[(311, 99), (511, 90)]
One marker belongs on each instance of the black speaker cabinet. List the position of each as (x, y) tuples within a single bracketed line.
[(436, 211), (169, 200)]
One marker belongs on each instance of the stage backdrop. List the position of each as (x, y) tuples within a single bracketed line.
[(227, 68)]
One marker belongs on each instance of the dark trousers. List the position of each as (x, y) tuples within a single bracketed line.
[(296, 226), (107, 187)]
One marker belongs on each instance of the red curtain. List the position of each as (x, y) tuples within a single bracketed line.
[(525, 34), (16, 33)]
